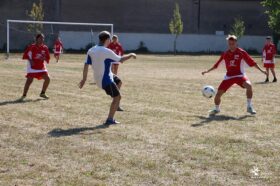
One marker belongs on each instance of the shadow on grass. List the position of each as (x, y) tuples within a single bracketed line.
[(18, 101), (74, 131), (206, 120), (261, 83)]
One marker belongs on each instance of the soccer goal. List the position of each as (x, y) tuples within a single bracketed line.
[(75, 36)]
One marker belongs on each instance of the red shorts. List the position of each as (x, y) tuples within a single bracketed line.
[(38, 75), (226, 84), (269, 65)]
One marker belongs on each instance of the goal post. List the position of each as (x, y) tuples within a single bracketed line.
[(9, 22)]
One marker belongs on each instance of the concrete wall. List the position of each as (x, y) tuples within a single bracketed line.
[(164, 42), (139, 16)]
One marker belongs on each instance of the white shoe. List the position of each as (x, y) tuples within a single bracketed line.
[(251, 110)]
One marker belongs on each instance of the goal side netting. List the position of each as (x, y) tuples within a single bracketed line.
[(74, 36)]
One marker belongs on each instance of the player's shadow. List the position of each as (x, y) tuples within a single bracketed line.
[(207, 120), (74, 131), (18, 101), (261, 83)]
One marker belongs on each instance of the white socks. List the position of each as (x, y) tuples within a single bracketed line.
[(249, 102), (217, 107)]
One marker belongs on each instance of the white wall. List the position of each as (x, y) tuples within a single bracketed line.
[(163, 42)]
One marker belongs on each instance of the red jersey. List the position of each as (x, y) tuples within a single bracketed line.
[(38, 54), (269, 51), (235, 62), (58, 46), (117, 48)]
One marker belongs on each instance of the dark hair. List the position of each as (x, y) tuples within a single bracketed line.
[(103, 36), (39, 35)]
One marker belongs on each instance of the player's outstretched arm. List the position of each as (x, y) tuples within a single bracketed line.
[(207, 71), (85, 72), (127, 57), (258, 67)]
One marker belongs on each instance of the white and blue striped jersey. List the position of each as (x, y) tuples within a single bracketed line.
[(101, 59)]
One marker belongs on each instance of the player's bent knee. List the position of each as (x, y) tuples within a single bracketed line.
[(248, 86), (47, 78), (117, 98), (220, 93)]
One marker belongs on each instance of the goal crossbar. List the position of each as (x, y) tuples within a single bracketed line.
[(52, 23)]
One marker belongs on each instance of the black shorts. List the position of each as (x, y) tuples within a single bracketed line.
[(117, 80), (112, 89)]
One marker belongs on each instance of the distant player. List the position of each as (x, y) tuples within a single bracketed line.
[(36, 55), (101, 58), (269, 53), (235, 59), (57, 49), (118, 49)]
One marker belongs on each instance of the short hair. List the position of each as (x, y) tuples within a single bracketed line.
[(231, 37), (268, 37), (115, 37), (103, 36), (40, 35)]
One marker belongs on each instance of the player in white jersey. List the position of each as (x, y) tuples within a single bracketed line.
[(101, 59)]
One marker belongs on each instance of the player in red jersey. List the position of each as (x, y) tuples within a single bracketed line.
[(37, 54), (57, 49), (269, 52), (118, 49), (235, 60)]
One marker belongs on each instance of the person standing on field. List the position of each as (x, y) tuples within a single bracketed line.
[(269, 53), (101, 59), (57, 49), (235, 60), (116, 47), (36, 55)]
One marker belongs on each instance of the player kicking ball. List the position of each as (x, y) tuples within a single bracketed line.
[(36, 55), (101, 59), (235, 59)]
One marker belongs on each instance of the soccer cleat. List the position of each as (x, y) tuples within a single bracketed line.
[(251, 110), (213, 112), (266, 80), (120, 109), (274, 80), (44, 96), (111, 122)]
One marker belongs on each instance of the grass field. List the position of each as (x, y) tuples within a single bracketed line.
[(166, 136)]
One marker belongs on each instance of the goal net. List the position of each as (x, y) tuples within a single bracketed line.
[(76, 37)]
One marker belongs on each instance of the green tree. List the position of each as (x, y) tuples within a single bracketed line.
[(176, 25), (238, 27), (36, 14), (273, 12)]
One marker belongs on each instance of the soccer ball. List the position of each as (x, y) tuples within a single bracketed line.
[(208, 91)]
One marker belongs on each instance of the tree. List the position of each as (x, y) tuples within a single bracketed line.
[(176, 25), (273, 12), (238, 27), (36, 14)]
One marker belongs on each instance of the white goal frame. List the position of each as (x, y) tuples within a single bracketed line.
[(9, 21)]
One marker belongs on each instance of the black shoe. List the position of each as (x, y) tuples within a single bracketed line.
[(274, 80), (266, 80), (111, 122), (120, 109)]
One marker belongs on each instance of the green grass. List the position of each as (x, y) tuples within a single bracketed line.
[(166, 137)]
